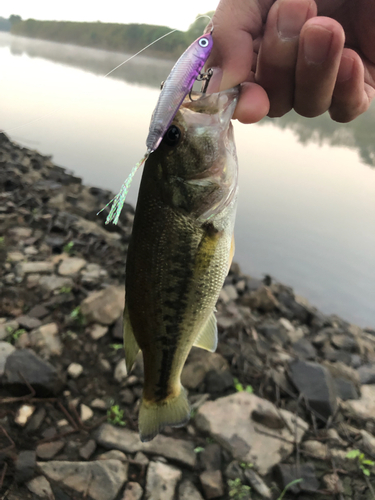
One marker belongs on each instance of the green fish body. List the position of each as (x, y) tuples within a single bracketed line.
[(180, 252)]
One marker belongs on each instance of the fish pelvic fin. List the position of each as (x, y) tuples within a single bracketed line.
[(130, 344), (155, 416), (207, 337)]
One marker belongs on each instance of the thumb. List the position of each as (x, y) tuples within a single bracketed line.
[(236, 24)]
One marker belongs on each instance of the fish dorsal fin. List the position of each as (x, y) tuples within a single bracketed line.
[(207, 338), (130, 344)]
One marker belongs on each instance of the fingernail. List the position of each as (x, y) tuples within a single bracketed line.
[(214, 85), (345, 69), (316, 44), (290, 18)]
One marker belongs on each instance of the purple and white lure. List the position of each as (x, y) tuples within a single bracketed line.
[(175, 88)]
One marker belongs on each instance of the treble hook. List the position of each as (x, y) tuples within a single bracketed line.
[(203, 77)]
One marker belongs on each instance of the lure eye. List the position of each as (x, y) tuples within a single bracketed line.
[(203, 42), (172, 135)]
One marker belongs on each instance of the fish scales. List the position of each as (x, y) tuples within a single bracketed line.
[(179, 254)]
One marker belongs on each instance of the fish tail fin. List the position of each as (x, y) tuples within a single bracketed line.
[(153, 417)]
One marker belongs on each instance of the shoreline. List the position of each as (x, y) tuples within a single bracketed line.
[(61, 299)]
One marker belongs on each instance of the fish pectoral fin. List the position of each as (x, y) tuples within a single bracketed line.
[(131, 346), (231, 254), (207, 338)]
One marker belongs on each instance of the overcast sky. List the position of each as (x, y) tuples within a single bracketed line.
[(162, 12)]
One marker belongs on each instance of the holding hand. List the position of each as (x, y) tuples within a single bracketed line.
[(301, 54)]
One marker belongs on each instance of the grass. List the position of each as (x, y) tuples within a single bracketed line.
[(14, 335), (76, 315), (116, 347), (198, 449), (115, 416), (68, 248), (289, 485)]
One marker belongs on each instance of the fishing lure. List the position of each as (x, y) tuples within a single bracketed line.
[(174, 90)]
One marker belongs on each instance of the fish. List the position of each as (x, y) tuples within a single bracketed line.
[(180, 252)]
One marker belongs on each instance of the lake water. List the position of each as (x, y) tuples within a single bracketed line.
[(306, 212)]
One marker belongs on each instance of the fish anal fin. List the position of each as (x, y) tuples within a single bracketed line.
[(131, 346), (155, 416), (207, 337)]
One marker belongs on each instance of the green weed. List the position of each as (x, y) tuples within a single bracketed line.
[(116, 347), (362, 462), (289, 485), (239, 387), (237, 490), (65, 289), (115, 416), (198, 449), (68, 248), (76, 315)]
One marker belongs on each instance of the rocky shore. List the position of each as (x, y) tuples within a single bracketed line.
[(284, 409)]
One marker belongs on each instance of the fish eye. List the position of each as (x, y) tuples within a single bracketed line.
[(172, 135), (203, 42)]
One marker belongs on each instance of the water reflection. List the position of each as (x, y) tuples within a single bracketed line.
[(148, 71), (358, 134), (141, 70)]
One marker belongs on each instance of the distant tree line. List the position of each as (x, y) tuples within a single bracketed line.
[(6, 24), (111, 36)]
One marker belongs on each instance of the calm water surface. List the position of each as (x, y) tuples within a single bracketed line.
[(307, 187)]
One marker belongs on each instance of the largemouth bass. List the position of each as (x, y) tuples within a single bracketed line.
[(180, 253)]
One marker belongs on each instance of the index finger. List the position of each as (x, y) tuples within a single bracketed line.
[(236, 24)]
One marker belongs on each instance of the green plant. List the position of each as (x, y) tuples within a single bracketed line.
[(1, 241), (237, 490), (76, 315), (116, 347), (68, 247), (115, 416), (239, 387), (362, 462), (65, 289), (246, 465), (289, 485), (198, 449), (15, 335)]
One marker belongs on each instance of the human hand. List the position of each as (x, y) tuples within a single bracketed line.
[(301, 54)]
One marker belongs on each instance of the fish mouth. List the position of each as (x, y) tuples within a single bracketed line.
[(221, 104)]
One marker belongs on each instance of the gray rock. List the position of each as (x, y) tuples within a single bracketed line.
[(344, 341), (187, 491), (38, 311), (367, 373), (234, 470), (218, 382), (28, 322), (6, 350), (262, 299), (141, 458), (20, 233), (23, 414), (201, 362), (320, 395), (257, 483), (177, 450), (87, 449), (53, 282), (25, 466), (133, 491), (315, 449), (46, 340), (345, 389), (113, 455), (71, 266), (15, 256), (161, 481), (41, 375), (249, 441), (363, 408), (127, 396), (118, 329), (269, 417), (97, 331), (101, 479), (46, 451), (105, 306), (210, 458), (75, 370), (36, 420), (273, 332), (46, 267), (304, 349), (287, 473), (93, 273), (120, 373), (212, 483), (40, 487)]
